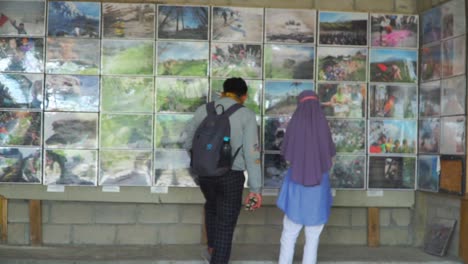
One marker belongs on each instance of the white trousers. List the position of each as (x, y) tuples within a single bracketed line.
[(289, 236)]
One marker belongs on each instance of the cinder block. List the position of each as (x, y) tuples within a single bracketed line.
[(384, 216), (299, 4), (45, 211), (137, 235), (340, 217), (344, 236), (401, 216), (272, 234), (18, 211), (251, 235), (157, 213), (71, 213), (115, 213), (18, 234), (406, 6), (274, 216), (93, 234), (256, 217), (180, 234), (56, 234), (191, 214), (341, 5), (394, 236), (375, 6), (358, 217)]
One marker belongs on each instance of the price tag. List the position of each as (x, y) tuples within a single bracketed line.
[(55, 188), (159, 189), (375, 193), (270, 192), (111, 188)]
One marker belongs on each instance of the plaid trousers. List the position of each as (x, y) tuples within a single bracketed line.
[(223, 196)]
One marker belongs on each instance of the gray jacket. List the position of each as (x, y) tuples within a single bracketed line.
[(244, 132)]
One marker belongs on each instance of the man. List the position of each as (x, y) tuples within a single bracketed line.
[(223, 194), (20, 28)]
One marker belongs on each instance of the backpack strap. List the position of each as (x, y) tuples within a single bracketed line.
[(232, 109)]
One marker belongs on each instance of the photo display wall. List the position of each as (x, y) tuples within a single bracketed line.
[(100, 93)]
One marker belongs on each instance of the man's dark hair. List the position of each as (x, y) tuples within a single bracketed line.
[(235, 85)]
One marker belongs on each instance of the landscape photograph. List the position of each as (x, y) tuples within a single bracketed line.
[(275, 168), (20, 165), (126, 131), (348, 172), (393, 65), (343, 28), (342, 64), (70, 130), (170, 130), (183, 22), (73, 56), (240, 24), (178, 95), (281, 96), (172, 168), (125, 168), (182, 58), (231, 59), (70, 167), (21, 91), (74, 19), (289, 62), (128, 57), (72, 93), (121, 20), (127, 94), (347, 135), (289, 25), (19, 128)]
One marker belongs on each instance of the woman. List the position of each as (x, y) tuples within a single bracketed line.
[(305, 195)]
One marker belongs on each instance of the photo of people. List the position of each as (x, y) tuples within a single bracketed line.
[(125, 131), (129, 57), (72, 93), (392, 30), (431, 62), (274, 131), (15, 19), (342, 64), (343, 99), (453, 57), (281, 96), (182, 58), (392, 136), (127, 94), (453, 96), (289, 61), (20, 165), (431, 25), (21, 91), (391, 173), (429, 135), (22, 55), (229, 59), (453, 18), (289, 25), (348, 172), (343, 28), (128, 20), (73, 56), (393, 101), (19, 128), (172, 168), (183, 22), (347, 135), (429, 99), (453, 135), (393, 65), (428, 173), (125, 168), (70, 130), (178, 95), (254, 93), (240, 24), (70, 167), (275, 168), (74, 19)]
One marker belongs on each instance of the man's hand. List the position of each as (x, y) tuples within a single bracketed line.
[(253, 201)]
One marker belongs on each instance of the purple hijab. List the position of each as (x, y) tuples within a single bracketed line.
[(308, 144)]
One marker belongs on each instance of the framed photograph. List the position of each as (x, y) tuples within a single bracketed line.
[(431, 62), (453, 18), (343, 28), (128, 57), (254, 93), (19, 128), (274, 170), (22, 55), (74, 19), (274, 131), (170, 130), (347, 135), (183, 22), (393, 101), (453, 135), (392, 136), (391, 173), (182, 58), (289, 62), (70, 130), (438, 235), (348, 172), (125, 168), (289, 25), (342, 64), (126, 131), (20, 165), (453, 96), (21, 91), (453, 57), (172, 168), (343, 99), (241, 24), (394, 65), (72, 93), (429, 135), (429, 99), (431, 25), (452, 178), (428, 173), (128, 20), (70, 167), (127, 94), (178, 95), (230, 60), (15, 19), (281, 96), (394, 30), (72, 56)]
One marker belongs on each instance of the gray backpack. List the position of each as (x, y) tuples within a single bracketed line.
[(208, 142)]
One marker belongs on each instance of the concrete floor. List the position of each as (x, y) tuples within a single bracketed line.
[(241, 254)]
